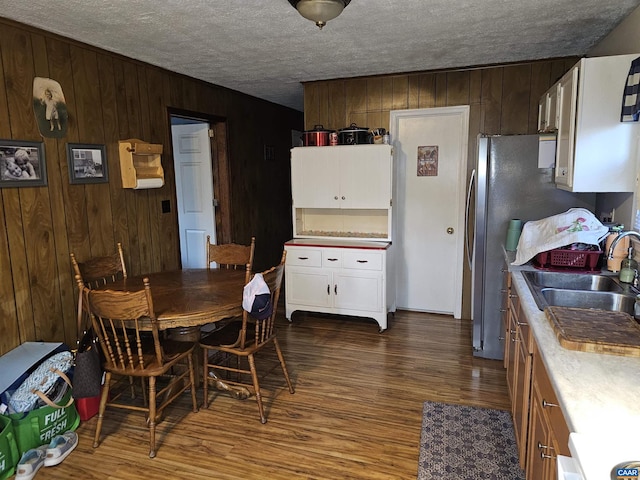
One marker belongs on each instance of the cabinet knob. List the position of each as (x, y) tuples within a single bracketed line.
[(335, 198), (332, 259), (546, 404), (303, 258), (362, 261), (335, 289)]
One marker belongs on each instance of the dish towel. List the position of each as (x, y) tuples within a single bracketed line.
[(576, 225), (631, 96)]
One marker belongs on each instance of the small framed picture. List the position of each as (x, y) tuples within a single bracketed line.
[(87, 163), (22, 164)]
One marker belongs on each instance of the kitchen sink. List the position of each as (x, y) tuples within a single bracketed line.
[(580, 290), (573, 281), (589, 299)]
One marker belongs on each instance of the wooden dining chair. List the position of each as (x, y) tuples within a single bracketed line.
[(99, 271), (119, 319), (230, 255), (244, 339), (93, 273)]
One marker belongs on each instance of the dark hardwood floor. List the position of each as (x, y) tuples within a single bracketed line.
[(356, 413)]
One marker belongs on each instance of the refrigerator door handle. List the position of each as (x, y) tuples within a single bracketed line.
[(468, 210)]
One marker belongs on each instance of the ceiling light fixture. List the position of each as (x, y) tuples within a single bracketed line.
[(319, 11)]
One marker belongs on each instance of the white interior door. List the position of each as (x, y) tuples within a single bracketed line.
[(430, 150), (194, 191)]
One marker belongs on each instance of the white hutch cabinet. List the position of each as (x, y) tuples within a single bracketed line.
[(340, 259)]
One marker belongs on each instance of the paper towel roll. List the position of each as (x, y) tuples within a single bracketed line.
[(142, 183)]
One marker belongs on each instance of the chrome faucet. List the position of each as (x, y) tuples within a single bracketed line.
[(628, 233)]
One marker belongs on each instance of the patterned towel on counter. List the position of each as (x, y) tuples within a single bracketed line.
[(576, 225)]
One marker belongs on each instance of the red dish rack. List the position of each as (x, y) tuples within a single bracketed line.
[(566, 259)]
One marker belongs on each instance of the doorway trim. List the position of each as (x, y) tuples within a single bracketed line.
[(463, 111), (219, 167)]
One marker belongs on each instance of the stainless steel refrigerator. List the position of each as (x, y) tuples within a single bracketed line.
[(506, 184)]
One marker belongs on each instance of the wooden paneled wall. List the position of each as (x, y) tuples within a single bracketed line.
[(503, 100), (111, 98)]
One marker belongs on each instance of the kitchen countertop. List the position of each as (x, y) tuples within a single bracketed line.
[(599, 394)]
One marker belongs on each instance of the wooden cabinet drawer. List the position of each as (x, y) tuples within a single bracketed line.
[(332, 258), (304, 257), (362, 260)]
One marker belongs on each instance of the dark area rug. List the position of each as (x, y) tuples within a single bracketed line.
[(467, 443)]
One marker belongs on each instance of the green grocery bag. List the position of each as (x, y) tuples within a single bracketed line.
[(38, 426), (9, 456)]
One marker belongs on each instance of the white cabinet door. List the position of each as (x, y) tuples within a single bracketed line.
[(315, 178), (365, 177), (358, 290), (567, 100), (308, 286), (548, 111)]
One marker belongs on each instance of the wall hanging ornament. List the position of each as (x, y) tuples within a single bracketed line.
[(50, 108)]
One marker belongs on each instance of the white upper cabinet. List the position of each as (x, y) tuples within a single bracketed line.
[(342, 191), (350, 176), (595, 152)]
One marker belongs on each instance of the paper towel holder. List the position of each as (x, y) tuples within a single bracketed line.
[(140, 164)]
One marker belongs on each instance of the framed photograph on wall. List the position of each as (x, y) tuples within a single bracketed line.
[(22, 164), (87, 163)]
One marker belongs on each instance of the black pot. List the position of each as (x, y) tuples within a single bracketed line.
[(354, 135), (318, 137)]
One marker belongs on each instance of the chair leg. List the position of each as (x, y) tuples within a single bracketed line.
[(102, 408), (192, 380), (152, 417), (283, 364), (205, 376), (256, 386)]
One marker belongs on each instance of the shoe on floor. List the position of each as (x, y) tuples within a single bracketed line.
[(30, 463), (60, 447)]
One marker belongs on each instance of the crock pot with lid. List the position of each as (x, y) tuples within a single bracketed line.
[(318, 137), (354, 135)]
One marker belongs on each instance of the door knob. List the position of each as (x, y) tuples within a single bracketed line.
[(450, 230)]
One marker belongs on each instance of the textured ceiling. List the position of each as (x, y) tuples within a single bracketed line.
[(266, 49)]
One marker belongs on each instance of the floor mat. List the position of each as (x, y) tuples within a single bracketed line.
[(467, 443)]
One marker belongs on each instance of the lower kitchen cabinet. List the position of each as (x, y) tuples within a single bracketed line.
[(338, 278), (548, 431), (518, 361), (540, 428)]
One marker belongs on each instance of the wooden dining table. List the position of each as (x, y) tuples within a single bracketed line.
[(185, 300)]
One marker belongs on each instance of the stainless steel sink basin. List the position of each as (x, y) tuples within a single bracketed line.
[(580, 290), (589, 299), (573, 281)]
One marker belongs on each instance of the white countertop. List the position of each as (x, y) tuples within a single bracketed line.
[(599, 394)]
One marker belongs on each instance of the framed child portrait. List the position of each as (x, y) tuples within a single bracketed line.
[(87, 163), (22, 164)]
